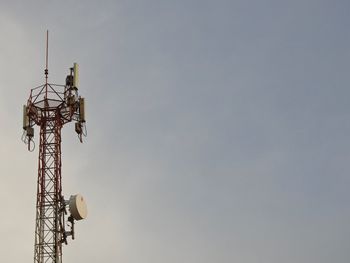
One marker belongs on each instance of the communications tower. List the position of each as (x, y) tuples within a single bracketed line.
[(51, 106)]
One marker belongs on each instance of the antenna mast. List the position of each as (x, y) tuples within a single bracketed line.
[(51, 106), (47, 56)]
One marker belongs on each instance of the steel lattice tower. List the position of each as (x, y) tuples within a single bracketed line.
[(51, 106)]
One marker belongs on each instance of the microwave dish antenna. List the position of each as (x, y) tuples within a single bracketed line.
[(77, 207)]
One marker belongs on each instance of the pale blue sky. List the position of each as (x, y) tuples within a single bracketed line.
[(218, 131)]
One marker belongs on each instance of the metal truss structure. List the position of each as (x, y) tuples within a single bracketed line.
[(51, 106)]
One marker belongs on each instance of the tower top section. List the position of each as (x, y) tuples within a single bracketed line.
[(59, 101)]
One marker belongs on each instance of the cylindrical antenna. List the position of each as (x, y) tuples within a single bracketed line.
[(47, 55)]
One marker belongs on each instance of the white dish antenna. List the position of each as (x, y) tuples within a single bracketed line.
[(77, 207)]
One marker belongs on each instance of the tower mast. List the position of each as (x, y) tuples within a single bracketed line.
[(51, 106)]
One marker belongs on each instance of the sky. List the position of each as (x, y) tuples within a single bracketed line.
[(218, 131)]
